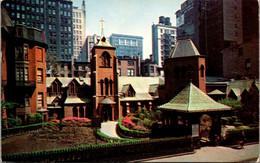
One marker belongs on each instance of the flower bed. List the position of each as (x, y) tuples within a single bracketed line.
[(75, 121)]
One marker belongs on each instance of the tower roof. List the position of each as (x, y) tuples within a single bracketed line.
[(184, 48), (192, 99)]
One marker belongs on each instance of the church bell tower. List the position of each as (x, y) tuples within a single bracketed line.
[(104, 80)]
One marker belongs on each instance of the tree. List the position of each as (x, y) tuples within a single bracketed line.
[(52, 63)]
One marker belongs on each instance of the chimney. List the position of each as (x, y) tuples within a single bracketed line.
[(139, 64)]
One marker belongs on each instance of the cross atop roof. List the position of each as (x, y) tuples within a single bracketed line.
[(102, 27)]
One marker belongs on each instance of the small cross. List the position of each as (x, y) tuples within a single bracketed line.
[(102, 21)]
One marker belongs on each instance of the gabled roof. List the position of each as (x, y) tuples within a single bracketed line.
[(66, 80), (153, 88), (138, 97), (236, 91), (73, 100), (51, 99), (184, 48), (126, 88), (241, 85), (192, 99), (107, 101), (216, 92)]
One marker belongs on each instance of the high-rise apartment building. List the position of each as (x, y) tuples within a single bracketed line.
[(163, 39), (218, 29), (127, 44), (79, 37), (90, 42), (54, 17)]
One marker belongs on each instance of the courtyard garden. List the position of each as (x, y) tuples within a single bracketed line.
[(55, 134)]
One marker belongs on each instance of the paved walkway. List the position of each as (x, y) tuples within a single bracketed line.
[(216, 154), (109, 128)]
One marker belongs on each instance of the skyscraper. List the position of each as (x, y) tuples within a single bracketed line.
[(127, 44), (163, 39), (79, 37), (218, 29), (54, 17)]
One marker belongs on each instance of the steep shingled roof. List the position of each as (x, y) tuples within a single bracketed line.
[(184, 48), (192, 99)]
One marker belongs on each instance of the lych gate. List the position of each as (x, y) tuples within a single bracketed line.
[(182, 115)]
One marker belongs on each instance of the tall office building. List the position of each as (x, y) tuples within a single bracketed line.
[(127, 44), (54, 17), (79, 37), (218, 29), (90, 42), (163, 39)]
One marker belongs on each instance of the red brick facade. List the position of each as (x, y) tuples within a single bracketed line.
[(180, 71), (23, 69), (104, 81)]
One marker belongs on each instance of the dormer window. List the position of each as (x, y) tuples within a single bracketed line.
[(73, 88), (56, 87)]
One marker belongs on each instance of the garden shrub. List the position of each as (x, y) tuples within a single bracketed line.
[(35, 118), (76, 122), (12, 122)]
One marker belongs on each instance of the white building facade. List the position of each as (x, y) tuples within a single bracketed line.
[(79, 37), (164, 38)]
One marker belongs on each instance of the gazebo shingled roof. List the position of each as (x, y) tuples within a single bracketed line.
[(192, 99)]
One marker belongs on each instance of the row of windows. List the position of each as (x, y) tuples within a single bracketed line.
[(22, 74), (76, 14), (77, 37), (77, 32), (65, 13), (76, 20), (65, 50), (167, 31), (108, 84), (77, 42), (76, 26), (65, 57)]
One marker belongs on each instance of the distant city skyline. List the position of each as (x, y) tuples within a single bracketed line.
[(128, 17)]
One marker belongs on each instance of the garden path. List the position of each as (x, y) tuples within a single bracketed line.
[(109, 128)]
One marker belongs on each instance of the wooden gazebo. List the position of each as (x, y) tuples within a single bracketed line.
[(181, 115)]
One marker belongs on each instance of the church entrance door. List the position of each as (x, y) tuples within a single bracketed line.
[(106, 113)]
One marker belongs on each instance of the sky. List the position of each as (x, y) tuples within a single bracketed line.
[(130, 17)]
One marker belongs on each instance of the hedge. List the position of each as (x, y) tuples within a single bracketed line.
[(107, 138), (132, 133), (21, 129), (99, 151), (233, 135)]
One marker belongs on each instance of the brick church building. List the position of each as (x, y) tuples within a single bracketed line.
[(104, 81)]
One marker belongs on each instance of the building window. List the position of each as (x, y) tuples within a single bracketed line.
[(202, 71), (26, 74), (130, 72), (248, 63), (56, 87), (107, 86), (106, 59), (101, 86), (130, 63), (151, 69), (73, 89), (40, 54), (40, 75), (19, 74), (40, 99)]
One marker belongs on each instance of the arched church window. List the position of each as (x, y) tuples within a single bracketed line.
[(202, 71), (106, 59), (107, 86), (111, 88), (101, 86)]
